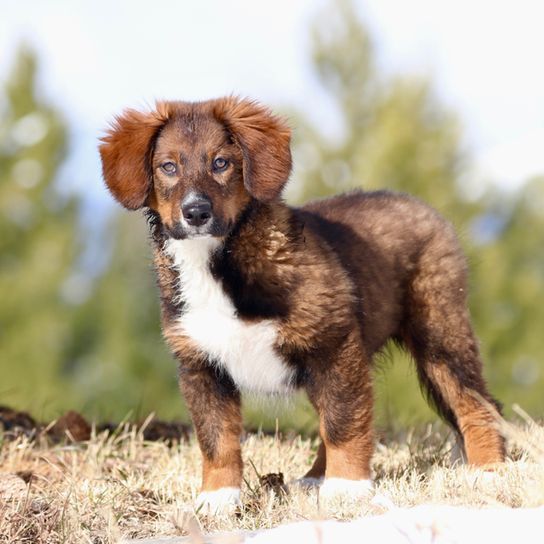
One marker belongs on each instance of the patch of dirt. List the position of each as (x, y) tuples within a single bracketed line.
[(16, 423), (74, 427)]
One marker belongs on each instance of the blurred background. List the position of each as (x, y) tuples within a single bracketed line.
[(439, 99)]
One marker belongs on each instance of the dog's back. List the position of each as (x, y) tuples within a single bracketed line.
[(389, 243)]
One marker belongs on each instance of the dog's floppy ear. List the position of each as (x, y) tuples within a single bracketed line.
[(126, 154), (265, 142)]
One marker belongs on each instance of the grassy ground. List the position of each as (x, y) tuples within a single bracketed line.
[(119, 485)]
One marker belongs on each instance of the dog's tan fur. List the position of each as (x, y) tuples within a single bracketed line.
[(337, 278)]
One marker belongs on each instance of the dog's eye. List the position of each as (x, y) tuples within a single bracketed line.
[(168, 167), (220, 164)]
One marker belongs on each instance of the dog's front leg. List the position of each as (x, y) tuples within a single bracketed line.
[(214, 403), (341, 391)]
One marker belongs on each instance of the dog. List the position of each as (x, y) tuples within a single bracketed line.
[(260, 296)]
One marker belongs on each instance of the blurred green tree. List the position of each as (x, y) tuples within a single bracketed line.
[(68, 339), (38, 244), (507, 256), (395, 134)]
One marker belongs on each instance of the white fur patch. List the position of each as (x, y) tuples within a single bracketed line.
[(333, 488), (245, 350), (221, 501)]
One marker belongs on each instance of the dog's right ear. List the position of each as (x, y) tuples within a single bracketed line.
[(126, 154)]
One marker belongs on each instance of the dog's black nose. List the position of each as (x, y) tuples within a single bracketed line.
[(197, 212)]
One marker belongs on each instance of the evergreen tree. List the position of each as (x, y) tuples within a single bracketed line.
[(38, 245), (507, 260)]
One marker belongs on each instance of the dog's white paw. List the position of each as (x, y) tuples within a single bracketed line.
[(340, 488), (222, 501)]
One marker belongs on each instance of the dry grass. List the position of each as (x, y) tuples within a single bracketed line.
[(119, 485)]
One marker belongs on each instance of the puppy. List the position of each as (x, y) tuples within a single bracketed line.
[(259, 296)]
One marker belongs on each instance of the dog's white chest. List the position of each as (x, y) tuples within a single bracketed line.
[(245, 350)]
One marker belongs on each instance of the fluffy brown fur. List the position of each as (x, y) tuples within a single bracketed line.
[(337, 278)]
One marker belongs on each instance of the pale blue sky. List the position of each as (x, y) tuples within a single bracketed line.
[(97, 57)]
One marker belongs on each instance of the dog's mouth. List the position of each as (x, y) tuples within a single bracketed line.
[(212, 229)]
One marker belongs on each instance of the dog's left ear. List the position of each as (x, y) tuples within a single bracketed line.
[(265, 142), (126, 154)]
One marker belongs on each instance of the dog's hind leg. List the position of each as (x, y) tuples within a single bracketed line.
[(438, 332)]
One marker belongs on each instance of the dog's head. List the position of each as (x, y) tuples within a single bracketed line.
[(198, 165)]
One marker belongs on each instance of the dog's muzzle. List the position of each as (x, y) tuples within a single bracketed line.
[(197, 218)]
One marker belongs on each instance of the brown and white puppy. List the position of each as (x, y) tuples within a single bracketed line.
[(260, 296)]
